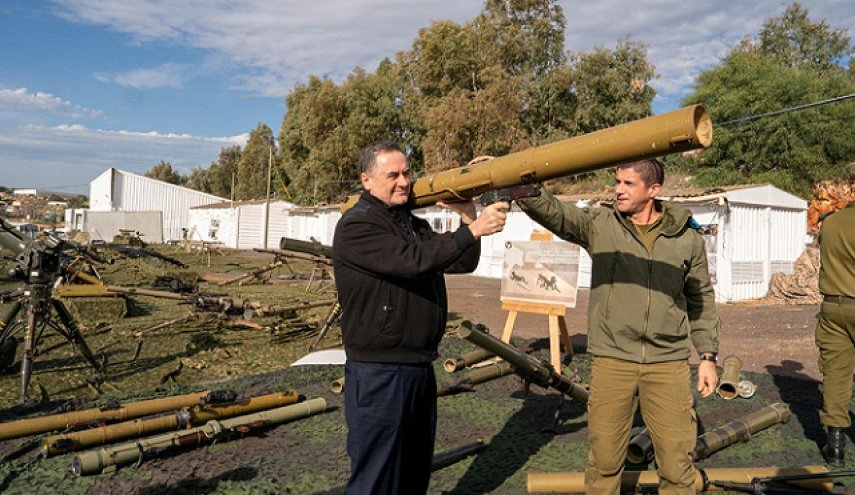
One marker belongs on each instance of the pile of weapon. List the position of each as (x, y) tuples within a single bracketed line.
[(314, 251), (188, 420), (40, 264)]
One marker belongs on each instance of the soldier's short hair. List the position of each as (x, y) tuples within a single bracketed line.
[(651, 171), (368, 155)]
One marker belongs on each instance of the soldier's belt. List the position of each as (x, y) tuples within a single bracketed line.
[(849, 301)]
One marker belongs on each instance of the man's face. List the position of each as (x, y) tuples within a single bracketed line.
[(631, 193), (389, 179)]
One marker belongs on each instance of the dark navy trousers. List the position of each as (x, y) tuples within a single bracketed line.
[(390, 411)]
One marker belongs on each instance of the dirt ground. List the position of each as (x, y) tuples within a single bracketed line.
[(766, 338)]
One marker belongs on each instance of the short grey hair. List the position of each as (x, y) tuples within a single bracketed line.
[(368, 155)]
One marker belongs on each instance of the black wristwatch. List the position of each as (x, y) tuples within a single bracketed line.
[(709, 357)]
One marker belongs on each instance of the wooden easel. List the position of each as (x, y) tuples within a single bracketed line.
[(557, 327), (555, 312)]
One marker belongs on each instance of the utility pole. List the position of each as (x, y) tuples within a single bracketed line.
[(267, 197)]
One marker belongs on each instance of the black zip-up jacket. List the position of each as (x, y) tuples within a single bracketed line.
[(389, 267)]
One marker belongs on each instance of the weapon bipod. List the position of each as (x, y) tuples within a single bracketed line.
[(42, 312), (333, 315)]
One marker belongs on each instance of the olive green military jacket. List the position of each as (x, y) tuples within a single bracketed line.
[(837, 253), (643, 308)]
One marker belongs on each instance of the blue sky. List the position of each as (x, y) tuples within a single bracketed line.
[(90, 84)]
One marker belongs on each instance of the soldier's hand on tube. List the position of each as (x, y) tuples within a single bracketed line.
[(491, 220), (707, 378)]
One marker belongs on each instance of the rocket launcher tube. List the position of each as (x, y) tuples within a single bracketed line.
[(529, 368), (95, 461), (474, 377), (728, 388), (737, 431), (459, 362), (632, 481), (32, 426), (197, 414), (740, 430), (683, 129)]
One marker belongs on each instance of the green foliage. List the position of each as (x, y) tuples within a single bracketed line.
[(792, 64), (221, 177), (795, 41), (163, 171), (327, 124), (252, 167), (497, 84), (611, 86)]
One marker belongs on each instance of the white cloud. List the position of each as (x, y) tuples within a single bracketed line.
[(280, 43), (162, 76), (71, 154), (22, 101)]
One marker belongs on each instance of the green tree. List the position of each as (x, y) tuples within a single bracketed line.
[(163, 171), (499, 83), (791, 150), (797, 42), (253, 164), (223, 173), (611, 86), (326, 126), (199, 179)]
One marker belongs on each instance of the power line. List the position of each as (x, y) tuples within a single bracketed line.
[(745, 120)]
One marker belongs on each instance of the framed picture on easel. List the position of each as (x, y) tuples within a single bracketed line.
[(540, 272)]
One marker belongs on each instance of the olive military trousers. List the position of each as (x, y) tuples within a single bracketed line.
[(835, 338), (663, 392)]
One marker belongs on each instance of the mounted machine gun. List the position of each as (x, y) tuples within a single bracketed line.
[(40, 264)]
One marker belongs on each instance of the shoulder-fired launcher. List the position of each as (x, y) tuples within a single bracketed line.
[(682, 130)]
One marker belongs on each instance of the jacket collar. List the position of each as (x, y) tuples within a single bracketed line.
[(674, 218), (366, 196)]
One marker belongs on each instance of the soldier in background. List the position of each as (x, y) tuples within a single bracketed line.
[(835, 331)]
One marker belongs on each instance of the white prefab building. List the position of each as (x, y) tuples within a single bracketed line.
[(240, 224), (119, 191)]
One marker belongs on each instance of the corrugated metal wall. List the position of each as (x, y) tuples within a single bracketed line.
[(250, 226), (116, 190), (789, 230), (749, 250)]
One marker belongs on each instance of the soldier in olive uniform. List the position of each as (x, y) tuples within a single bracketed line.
[(835, 332)]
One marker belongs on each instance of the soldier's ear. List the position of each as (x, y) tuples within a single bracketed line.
[(655, 189)]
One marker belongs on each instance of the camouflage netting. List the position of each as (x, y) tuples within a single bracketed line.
[(829, 196), (309, 455), (93, 311), (800, 287)]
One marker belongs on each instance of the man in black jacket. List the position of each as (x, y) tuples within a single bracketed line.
[(389, 268)]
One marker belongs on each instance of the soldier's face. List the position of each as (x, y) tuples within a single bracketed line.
[(632, 195), (389, 179)]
